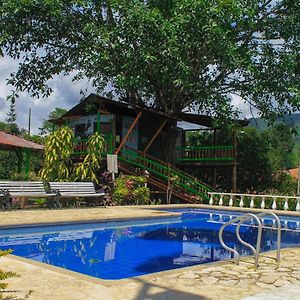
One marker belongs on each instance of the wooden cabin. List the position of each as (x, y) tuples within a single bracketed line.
[(142, 130)]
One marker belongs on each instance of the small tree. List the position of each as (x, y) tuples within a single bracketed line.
[(58, 150), (58, 165), (11, 114), (87, 169)]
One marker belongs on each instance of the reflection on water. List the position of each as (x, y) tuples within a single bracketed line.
[(123, 252)]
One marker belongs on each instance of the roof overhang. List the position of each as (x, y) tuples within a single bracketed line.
[(108, 106), (10, 142)]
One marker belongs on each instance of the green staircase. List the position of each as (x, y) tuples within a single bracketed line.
[(185, 186)]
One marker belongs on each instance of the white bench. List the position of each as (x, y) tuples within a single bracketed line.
[(75, 190), (21, 189)]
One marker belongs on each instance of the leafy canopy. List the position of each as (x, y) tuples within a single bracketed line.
[(47, 126), (172, 55)]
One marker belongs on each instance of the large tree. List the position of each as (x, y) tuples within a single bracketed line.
[(172, 55)]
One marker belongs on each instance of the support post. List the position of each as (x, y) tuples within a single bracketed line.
[(29, 121), (234, 169), (113, 134), (155, 135), (298, 185), (19, 154), (128, 133), (27, 162), (214, 155), (98, 121)]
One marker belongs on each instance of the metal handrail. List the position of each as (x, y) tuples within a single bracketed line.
[(258, 239), (278, 232), (241, 220), (164, 171)]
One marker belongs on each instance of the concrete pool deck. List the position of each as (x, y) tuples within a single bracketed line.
[(220, 280)]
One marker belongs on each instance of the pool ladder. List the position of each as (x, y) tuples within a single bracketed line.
[(248, 217)]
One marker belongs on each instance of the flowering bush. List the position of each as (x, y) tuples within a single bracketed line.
[(131, 190)]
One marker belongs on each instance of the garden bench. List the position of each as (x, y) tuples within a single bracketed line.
[(75, 190), (21, 189)]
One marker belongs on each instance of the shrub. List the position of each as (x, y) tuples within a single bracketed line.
[(131, 190)]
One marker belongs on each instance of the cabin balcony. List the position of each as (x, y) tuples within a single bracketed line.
[(205, 156), (80, 146)]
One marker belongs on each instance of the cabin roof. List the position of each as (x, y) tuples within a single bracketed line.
[(108, 106), (12, 142)]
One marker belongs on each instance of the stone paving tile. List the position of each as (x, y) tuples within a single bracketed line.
[(231, 281), (44, 216), (223, 280)]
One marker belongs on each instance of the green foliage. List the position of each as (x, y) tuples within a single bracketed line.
[(47, 126), (131, 190), (11, 114), (262, 158), (8, 166), (58, 165), (254, 169), (5, 275), (58, 150), (40, 202), (172, 181), (283, 184), (9, 159), (222, 137), (171, 55), (11, 128), (87, 170), (281, 143)]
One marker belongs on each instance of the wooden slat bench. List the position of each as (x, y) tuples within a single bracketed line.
[(21, 189), (75, 190)]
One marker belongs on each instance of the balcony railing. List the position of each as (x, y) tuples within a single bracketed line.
[(80, 145), (206, 153)]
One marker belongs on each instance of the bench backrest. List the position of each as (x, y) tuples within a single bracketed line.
[(73, 187), (31, 187)]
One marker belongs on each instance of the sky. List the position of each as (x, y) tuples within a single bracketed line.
[(66, 94)]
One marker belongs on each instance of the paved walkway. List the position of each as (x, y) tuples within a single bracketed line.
[(54, 216), (222, 280)]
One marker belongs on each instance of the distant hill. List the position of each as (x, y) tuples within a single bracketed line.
[(293, 119)]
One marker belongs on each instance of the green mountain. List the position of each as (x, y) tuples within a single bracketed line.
[(293, 120)]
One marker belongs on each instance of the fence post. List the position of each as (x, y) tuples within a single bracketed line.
[(242, 201)]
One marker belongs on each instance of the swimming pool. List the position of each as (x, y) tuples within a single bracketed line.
[(116, 250)]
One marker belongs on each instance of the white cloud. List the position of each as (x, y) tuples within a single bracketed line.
[(65, 94), (244, 108)]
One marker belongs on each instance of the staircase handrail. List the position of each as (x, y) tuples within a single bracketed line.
[(200, 192), (187, 182), (178, 192), (168, 166)]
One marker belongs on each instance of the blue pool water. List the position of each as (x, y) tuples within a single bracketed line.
[(117, 250)]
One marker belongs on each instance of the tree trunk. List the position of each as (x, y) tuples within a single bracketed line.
[(169, 135)]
